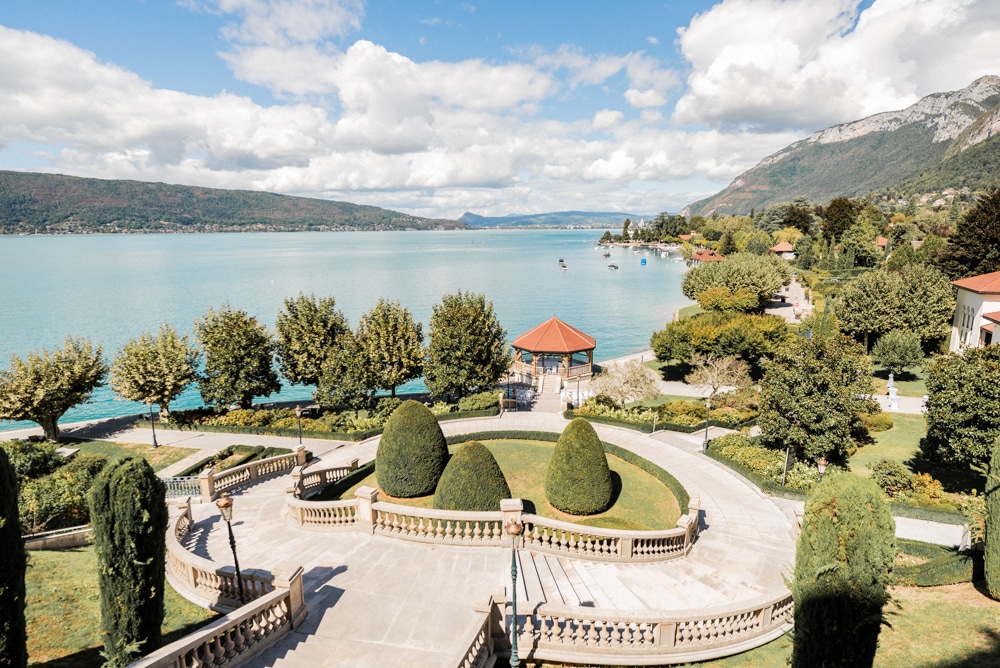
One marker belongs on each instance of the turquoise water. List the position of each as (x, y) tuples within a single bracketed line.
[(113, 287)]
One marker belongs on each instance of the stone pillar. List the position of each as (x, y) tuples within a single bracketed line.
[(296, 488), (300, 455), (512, 510), (290, 578), (354, 464), (366, 497), (207, 484), (893, 399)]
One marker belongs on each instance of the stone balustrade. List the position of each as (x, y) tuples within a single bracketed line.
[(201, 580), (366, 513), (239, 636), (181, 486), (212, 484), (486, 634), (306, 483), (589, 635)]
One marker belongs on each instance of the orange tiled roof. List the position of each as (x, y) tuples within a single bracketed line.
[(983, 284), (881, 242), (554, 336), (705, 255), (685, 237), (783, 247), (992, 317)]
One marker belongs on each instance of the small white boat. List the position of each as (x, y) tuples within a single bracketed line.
[(612, 266)]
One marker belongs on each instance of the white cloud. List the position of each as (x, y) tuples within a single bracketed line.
[(645, 98), (652, 40), (606, 118), (285, 22), (806, 64)]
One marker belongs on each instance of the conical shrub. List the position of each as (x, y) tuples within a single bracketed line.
[(412, 452), (13, 636), (472, 480), (843, 565), (578, 480), (991, 556)]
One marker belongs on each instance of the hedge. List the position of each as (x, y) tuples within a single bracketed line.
[(944, 565), (249, 454), (335, 490), (647, 427), (472, 480), (412, 452)]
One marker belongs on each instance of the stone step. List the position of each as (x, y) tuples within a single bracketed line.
[(529, 585)]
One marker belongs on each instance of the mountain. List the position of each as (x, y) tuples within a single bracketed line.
[(928, 142), (554, 219), (31, 202)]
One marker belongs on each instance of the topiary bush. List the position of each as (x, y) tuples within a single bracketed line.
[(412, 452), (472, 480), (877, 422), (578, 479), (892, 477), (843, 566), (13, 562), (991, 549)]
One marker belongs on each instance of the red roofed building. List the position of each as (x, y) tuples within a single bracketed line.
[(706, 255), (784, 250), (550, 347), (977, 309)]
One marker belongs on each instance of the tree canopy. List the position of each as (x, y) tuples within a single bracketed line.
[(346, 376), (239, 355), (974, 247), (624, 382), (45, 385), (155, 369), (760, 275), (390, 343), (308, 329), (468, 346)]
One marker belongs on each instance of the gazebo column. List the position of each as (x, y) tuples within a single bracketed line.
[(566, 365)]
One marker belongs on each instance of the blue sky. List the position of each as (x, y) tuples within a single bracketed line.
[(437, 108)]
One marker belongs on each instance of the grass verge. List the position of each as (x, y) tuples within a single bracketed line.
[(64, 610), (158, 458)]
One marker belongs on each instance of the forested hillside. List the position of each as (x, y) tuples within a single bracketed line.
[(31, 202)]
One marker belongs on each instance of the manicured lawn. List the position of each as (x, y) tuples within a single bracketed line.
[(64, 610), (688, 311), (913, 383), (664, 398), (158, 458), (954, 626), (899, 444), (643, 502)]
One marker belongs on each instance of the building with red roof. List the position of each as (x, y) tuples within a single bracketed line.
[(784, 250), (977, 310), (706, 255), (550, 348)]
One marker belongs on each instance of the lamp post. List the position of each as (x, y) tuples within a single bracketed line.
[(513, 529), (708, 408), (298, 418), (152, 424), (225, 504), (821, 465)]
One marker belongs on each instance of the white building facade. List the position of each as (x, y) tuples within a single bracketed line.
[(977, 311)]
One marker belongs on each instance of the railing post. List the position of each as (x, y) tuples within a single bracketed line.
[(625, 549), (300, 455), (253, 471), (297, 482), (668, 634), (207, 485), (354, 464), (765, 616), (367, 496), (512, 510), (290, 578)]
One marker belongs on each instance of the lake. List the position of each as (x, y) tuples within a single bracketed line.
[(111, 288)]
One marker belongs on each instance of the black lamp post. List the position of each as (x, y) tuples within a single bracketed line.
[(152, 423), (225, 505), (708, 408), (821, 465), (298, 418), (513, 529)]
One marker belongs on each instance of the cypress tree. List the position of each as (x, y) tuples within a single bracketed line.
[(578, 479), (13, 636), (843, 564), (991, 558), (412, 452), (472, 480), (129, 518)]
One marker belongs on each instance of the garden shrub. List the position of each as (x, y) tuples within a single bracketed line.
[(31, 460), (59, 499), (578, 479), (991, 556), (843, 566), (892, 477), (940, 565), (412, 452), (480, 401), (13, 563), (877, 422), (472, 480)]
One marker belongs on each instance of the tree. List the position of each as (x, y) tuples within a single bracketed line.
[(760, 275), (129, 518), (870, 305), (577, 478), (963, 405), (812, 393), (991, 556), (859, 242), (13, 564), (838, 216), (726, 245), (898, 350), (390, 343), (974, 248), (44, 386), (155, 369), (805, 256), (714, 373), (468, 347), (308, 330), (843, 568), (412, 452), (625, 226), (927, 303), (752, 338), (472, 480), (624, 382), (239, 352), (346, 377)]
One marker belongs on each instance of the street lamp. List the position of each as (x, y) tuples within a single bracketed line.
[(152, 424), (298, 418), (821, 465), (513, 529), (225, 504), (708, 408)]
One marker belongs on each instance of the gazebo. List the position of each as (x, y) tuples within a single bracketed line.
[(550, 348)]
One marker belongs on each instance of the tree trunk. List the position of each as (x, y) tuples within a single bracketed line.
[(164, 412), (50, 425)]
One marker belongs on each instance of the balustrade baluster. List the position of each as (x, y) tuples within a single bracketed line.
[(616, 635), (477, 532)]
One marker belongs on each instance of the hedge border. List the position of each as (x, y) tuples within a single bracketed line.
[(944, 566), (254, 452), (294, 433), (647, 427), (335, 489), (661, 474)]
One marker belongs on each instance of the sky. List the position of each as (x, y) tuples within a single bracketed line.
[(439, 108)]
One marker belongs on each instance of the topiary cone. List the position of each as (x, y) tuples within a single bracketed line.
[(578, 479), (412, 452), (472, 480)]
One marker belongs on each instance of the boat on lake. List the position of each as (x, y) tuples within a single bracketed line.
[(612, 266)]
